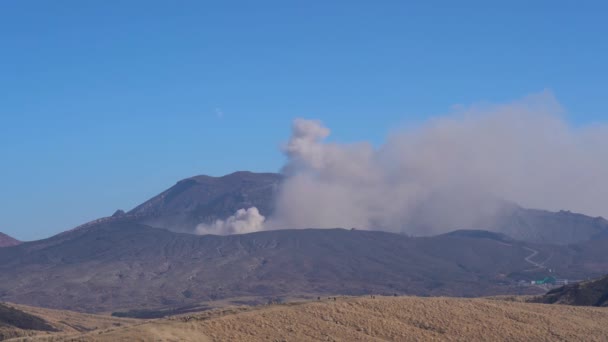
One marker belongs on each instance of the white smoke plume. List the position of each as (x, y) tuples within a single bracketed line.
[(453, 171), (243, 221)]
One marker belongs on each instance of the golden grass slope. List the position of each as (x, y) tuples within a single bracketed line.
[(366, 319)]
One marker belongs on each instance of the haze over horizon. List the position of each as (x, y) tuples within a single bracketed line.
[(101, 110)]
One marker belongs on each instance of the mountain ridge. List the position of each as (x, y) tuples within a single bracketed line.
[(8, 241), (343, 319)]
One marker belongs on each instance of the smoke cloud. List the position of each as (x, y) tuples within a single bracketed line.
[(243, 221), (451, 172)]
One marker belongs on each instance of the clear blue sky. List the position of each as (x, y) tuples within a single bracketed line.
[(104, 104)]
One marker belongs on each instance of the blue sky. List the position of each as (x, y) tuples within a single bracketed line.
[(104, 104)]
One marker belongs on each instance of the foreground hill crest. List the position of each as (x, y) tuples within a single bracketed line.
[(354, 319)]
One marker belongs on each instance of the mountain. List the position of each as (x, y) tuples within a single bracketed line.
[(118, 266), (588, 293), (563, 227), (204, 199), (7, 241)]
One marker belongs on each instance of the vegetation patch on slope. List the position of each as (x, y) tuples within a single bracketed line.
[(589, 293)]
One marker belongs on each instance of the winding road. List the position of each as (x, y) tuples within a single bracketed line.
[(534, 263)]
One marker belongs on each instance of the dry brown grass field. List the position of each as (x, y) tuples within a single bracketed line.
[(353, 319)]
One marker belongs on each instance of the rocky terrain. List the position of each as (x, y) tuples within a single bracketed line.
[(7, 241), (366, 319)]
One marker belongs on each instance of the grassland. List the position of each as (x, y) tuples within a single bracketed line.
[(361, 319)]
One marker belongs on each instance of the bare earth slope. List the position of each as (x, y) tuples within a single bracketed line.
[(379, 319)]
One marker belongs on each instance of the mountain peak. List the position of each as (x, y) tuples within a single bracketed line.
[(199, 199)]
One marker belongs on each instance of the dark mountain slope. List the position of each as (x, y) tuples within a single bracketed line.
[(205, 199), (480, 234), (544, 226), (7, 241), (589, 293), (121, 265)]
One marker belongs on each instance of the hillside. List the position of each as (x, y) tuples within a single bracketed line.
[(204, 199), (7, 241), (379, 319), (124, 266), (588, 293)]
